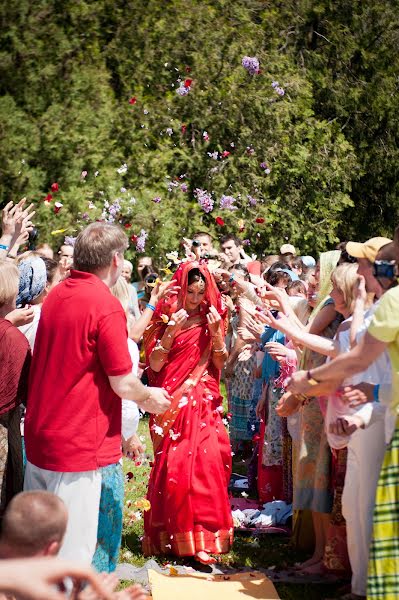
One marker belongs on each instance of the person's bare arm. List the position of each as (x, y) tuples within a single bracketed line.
[(219, 350), (358, 310), (300, 337), (159, 355), (345, 365), (160, 291), (151, 399)]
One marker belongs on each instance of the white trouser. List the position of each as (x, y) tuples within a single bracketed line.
[(81, 495), (366, 451)]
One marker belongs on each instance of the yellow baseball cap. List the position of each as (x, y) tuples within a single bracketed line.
[(368, 249)]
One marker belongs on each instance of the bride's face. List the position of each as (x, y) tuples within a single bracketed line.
[(195, 295)]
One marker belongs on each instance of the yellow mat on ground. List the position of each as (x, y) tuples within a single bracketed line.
[(239, 586)]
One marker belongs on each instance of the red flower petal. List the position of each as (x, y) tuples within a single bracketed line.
[(133, 238), (259, 220), (133, 100), (127, 225), (54, 187), (48, 198), (187, 83), (219, 221), (188, 69), (183, 128), (225, 153)]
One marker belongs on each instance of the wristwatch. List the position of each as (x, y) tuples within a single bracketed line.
[(311, 380)]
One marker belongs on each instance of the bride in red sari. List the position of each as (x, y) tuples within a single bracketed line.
[(190, 512)]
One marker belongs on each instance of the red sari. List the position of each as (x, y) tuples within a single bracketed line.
[(190, 510)]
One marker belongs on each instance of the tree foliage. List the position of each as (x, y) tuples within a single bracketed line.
[(88, 86)]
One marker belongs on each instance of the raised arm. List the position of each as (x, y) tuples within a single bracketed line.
[(159, 291)]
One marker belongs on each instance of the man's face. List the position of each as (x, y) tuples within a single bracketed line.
[(231, 251), (126, 273), (365, 269), (205, 244)]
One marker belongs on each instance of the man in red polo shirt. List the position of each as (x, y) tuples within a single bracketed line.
[(80, 370)]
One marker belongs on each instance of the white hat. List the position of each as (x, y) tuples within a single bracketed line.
[(287, 249), (308, 261)]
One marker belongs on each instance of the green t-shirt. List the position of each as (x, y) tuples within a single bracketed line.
[(384, 327)]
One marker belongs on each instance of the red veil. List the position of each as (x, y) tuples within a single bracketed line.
[(190, 510), (190, 356), (170, 305)]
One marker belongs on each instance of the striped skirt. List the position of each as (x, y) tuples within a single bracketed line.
[(383, 575)]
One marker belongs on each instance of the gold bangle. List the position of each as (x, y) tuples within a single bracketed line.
[(219, 350)]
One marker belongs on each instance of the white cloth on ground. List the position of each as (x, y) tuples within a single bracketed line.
[(276, 512), (81, 495)]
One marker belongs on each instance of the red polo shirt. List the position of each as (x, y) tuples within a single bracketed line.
[(73, 417)]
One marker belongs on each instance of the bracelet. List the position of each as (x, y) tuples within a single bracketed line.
[(162, 349), (150, 306), (219, 350), (3, 247), (376, 390), (311, 380)]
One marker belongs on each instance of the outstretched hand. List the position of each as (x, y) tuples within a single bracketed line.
[(163, 290), (288, 404)]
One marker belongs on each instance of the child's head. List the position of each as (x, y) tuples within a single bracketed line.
[(278, 278), (297, 265), (297, 288), (33, 524)]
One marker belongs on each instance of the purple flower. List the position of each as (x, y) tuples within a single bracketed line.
[(246, 242), (265, 167), (157, 199), (85, 216), (252, 201), (251, 64), (140, 242), (184, 187), (214, 155), (275, 84), (172, 185), (227, 202), (69, 240), (169, 131), (182, 90), (280, 91), (114, 208), (204, 199)]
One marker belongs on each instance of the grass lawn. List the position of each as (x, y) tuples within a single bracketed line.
[(263, 551)]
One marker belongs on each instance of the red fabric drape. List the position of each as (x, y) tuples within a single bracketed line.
[(190, 509)]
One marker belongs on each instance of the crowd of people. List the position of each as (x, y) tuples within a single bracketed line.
[(307, 348)]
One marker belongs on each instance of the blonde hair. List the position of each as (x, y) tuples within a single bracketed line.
[(344, 277), (121, 291), (96, 245), (9, 282)]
